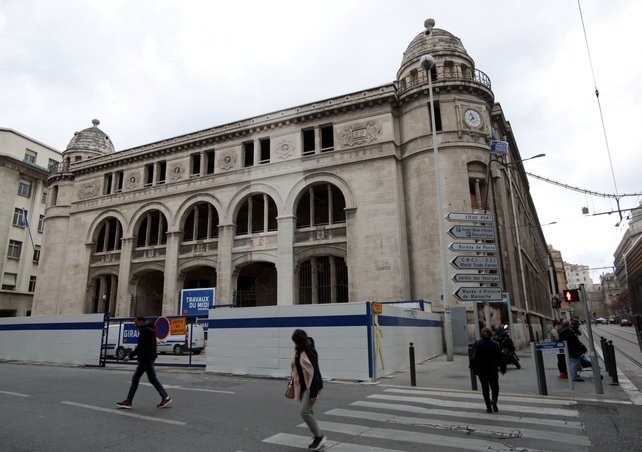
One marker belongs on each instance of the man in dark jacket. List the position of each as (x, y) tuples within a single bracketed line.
[(575, 348), (485, 360), (146, 352)]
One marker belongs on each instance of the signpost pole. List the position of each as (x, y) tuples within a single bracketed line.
[(595, 365)]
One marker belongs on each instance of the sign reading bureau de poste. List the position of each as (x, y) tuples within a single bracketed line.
[(476, 247), (472, 232), (474, 217), (479, 293)]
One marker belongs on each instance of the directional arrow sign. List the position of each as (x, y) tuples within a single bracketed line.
[(474, 217), (477, 247), (479, 293), (477, 278), (473, 232), (475, 262)]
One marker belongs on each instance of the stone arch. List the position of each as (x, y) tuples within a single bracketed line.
[(238, 198), (297, 191), (92, 228)]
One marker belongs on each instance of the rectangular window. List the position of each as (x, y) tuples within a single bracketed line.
[(43, 198), (437, 116), (36, 254), (210, 162), (31, 156), (162, 170), (9, 281), (41, 223), (149, 174), (196, 164), (308, 141), (327, 138), (118, 175), (248, 154), (265, 150), (32, 284), (108, 183), (51, 166), (17, 217), (24, 188), (15, 248)]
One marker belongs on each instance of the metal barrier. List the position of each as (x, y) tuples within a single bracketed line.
[(608, 353)]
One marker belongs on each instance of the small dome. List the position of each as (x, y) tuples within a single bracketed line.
[(434, 41), (91, 139)]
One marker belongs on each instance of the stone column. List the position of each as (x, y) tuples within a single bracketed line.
[(285, 262), (170, 293), (123, 300), (224, 282)]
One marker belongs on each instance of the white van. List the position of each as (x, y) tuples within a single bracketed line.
[(178, 344), (121, 339)]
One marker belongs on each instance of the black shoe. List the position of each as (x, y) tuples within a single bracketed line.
[(164, 402), (578, 379), (495, 407), (318, 443), (126, 404)]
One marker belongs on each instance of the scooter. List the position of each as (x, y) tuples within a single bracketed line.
[(502, 337)]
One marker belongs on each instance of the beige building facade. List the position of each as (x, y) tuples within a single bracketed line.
[(24, 168), (332, 201)]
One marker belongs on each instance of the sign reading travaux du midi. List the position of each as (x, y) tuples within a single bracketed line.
[(466, 216), (197, 301)]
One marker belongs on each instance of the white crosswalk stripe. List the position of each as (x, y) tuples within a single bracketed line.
[(402, 419)]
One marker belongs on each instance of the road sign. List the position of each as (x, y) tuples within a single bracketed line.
[(479, 293), (475, 262), (161, 327), (477, 277), (477, 247), (474, 217), (177, 326), (472, 232), (550, 347)]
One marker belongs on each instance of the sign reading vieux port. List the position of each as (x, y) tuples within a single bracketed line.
[(472, 232), (474, 217), (479, 293)]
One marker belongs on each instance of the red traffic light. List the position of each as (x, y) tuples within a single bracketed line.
[(571, 295)]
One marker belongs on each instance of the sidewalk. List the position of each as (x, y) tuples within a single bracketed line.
[(438, 373)]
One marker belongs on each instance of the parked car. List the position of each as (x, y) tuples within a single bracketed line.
[(625, 322), (602, 320)]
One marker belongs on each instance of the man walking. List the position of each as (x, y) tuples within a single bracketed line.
[(146, 352)]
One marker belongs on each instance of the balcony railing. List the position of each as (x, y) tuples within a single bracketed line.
[(415, 80)]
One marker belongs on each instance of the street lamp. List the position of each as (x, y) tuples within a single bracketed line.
[(508, 165), (428, 62)]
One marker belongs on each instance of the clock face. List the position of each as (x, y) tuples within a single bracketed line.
[(472, 118)]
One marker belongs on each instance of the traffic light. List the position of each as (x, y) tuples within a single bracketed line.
[(571, 295)]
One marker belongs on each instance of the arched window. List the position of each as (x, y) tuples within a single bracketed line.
[(257, 214), (201, 222), (323, 279), (109, 235), (320, 204), (152, 230)]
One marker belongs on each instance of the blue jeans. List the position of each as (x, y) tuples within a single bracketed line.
[(575, 365), (145, 367)]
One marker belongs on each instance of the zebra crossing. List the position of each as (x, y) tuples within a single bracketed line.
[(405, 419)]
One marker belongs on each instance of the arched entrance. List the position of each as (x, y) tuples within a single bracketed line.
[(256, 285), (147, 299)]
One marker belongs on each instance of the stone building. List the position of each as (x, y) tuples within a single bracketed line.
[(24, 164), (327, 202)]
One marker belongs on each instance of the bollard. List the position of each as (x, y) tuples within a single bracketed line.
[(613, 364), (413, 376), (605, 354), (473, 377)]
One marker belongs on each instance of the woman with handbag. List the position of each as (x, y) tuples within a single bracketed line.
[(307, 382)]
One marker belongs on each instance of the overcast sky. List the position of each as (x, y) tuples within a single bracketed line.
[(151, 70)]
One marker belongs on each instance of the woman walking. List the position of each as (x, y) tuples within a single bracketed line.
[(307, 382), (486, 359)]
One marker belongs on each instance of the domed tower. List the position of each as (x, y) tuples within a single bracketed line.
[(56, 252)]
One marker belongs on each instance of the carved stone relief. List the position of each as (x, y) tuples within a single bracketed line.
[(227, 161), (285, 149), (358, 134), (176, 173), (87, 191), (131, 183)]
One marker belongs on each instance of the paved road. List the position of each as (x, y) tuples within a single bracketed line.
[(48, 408)]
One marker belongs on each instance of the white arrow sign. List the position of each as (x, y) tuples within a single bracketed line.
[(475, 262), (477, 277), (473, 232), (479, 293), (477, 247), (474, 217)]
